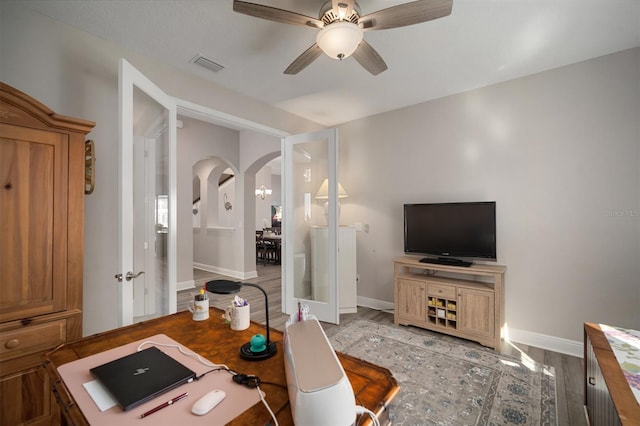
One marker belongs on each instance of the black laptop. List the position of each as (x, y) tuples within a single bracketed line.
[(141, 376)]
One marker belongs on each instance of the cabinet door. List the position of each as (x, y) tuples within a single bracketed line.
[(33, 222), (411, 300), (476, 312), (27, 398)]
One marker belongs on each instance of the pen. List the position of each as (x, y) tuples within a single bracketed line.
[(165, 404)]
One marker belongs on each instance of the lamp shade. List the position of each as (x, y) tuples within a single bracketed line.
[(323, 192), (339, 39)]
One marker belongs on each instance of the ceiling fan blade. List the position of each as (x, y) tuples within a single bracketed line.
[(369, 58), (275, 14), (405, 14), (302, 61)]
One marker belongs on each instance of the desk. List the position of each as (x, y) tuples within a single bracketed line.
[(374, 386)]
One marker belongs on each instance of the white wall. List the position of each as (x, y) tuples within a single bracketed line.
[(276, 196), (198, 141), (263, 207), (560, 154), (76, 74), (227, 198), (256, 150), (224, 242)]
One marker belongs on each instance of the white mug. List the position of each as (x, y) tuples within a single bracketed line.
[(238, 317), (199, 309)]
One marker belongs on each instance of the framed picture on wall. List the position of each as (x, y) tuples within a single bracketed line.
[(276, 216)]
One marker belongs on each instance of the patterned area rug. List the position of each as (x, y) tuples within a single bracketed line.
[(445, 381)]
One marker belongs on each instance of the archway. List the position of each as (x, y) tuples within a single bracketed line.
[(215, 219)]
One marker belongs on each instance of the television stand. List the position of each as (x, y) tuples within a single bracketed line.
[(446, 261), (466, 302)]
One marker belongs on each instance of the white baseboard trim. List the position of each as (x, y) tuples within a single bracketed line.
[(544, 341), (186, 285), (379, 305), (228, 272)]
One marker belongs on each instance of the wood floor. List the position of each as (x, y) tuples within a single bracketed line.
[(569, 369)]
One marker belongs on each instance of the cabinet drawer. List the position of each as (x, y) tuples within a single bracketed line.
[(447, 291), (30, 339)]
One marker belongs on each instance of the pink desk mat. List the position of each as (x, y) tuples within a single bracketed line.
[(239, 398)]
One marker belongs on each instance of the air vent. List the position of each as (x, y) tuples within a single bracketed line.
[(207, 63)]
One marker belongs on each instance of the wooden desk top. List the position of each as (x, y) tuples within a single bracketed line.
[(374, 386)]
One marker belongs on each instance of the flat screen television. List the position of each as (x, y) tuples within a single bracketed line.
[(455, 233)]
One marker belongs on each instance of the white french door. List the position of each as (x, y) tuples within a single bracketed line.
[(308, 160), (147, 198), (148, 210)]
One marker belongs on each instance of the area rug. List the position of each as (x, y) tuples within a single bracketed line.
[(446, 381)]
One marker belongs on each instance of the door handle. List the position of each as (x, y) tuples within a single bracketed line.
[(130, 275)]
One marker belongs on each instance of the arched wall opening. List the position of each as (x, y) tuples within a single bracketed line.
[(218, 183)]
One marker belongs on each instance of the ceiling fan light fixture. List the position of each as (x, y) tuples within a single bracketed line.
[(339, 40)]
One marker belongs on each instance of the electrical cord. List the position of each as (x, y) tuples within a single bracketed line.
[(362, 410), (242, 379), (182, 351), (211, 371), (264, 401), (251, 381), (274, 384), (285, 406), (247, 380)]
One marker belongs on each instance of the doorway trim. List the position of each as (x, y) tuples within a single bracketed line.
[(210, 115)]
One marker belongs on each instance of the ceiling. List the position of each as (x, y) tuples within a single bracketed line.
[(481, 43)]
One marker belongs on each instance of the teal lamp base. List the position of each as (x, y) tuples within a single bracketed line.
[(258, 349)]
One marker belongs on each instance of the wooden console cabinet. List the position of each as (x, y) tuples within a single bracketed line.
[(42, 170), (453, 300)]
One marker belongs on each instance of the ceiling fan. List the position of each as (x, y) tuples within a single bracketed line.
[(342, 25)]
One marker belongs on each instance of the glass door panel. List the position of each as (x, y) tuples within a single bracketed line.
[(150, 207), (310, 224), (147, 194)]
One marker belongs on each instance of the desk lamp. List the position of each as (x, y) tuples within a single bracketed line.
[(257, 348)]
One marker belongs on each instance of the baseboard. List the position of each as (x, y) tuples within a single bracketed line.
[(543, 341), (185, 285), (379, 305), (228, 272)]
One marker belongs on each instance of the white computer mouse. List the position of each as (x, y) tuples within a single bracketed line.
[(208, 402)]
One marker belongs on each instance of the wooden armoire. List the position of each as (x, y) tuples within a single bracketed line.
[(42, 170)]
